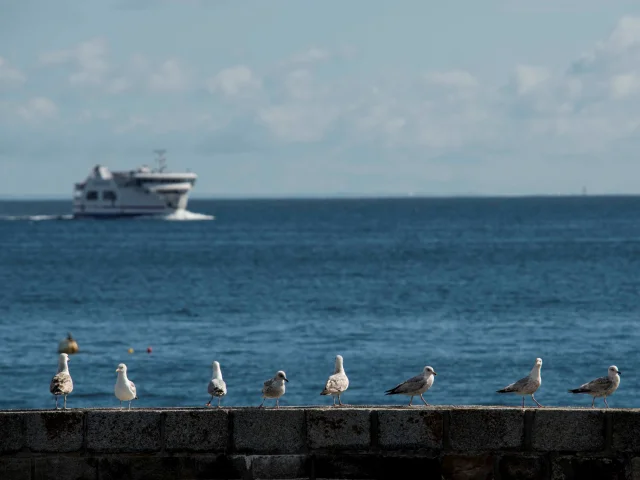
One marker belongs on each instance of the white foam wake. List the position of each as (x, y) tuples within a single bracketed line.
[(35, 218), (185, 215)]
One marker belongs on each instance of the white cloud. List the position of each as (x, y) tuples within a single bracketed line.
[(311, 55), (37, 108), (626, 34), (299, 122), (452, 78), (9, 75), (133, 122), (299, 84), (170, 77), (625, 85), (88, 58), (528, 78), (118, 85), (234, 81)]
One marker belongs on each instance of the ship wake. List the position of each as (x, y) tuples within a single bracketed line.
[(179, 215)]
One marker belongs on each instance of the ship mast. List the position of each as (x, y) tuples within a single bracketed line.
[(162, 161)]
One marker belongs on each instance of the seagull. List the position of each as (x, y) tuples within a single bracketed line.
[(274, 388), (527, 385), (337, 383), (415, 385), (217, 387), (61, 383), (125, 388), (601, 387)]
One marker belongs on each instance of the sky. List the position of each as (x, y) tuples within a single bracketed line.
[(301, 98)]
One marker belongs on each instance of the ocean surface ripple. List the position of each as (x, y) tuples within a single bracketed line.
[(476, 288)]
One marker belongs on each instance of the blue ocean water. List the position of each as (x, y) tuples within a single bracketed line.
[(476, 288)]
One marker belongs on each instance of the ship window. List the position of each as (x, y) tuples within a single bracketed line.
[(108, 195), (92, 195)]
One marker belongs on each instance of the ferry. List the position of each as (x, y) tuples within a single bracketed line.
[(133, 193)]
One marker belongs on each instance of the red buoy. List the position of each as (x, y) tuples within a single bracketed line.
[(149, 350)]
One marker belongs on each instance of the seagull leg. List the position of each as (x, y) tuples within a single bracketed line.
[(333, 397), (339, 401), (423, 400), (208, 404), (129, 404), (593, 402), (605, 402), (219, 400), (534, 399), (262, 404), (65, 402), (523, 401), (411, 400), (277, 403), (120, 403), (56, 402)]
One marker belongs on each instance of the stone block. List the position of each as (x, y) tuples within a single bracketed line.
[(513, 467), (409, 429), (128, 431), (197, 430), (626, 431), (635, 468), (12, 428), (280, 466), (555, 431), (475, 430), (69, 468), (406, 466), (15, 468), (263, 430), (583, 468), (54, 431), (346, 466), (467, 467), (122, 467), (339, 428)]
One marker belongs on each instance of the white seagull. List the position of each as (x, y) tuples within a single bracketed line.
[(274, 388), (601, 387), (337, 383), (61, 383), (527, 385), (217, 387), (125, 389), (415, 385)]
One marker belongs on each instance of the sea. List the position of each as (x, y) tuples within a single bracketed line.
[(477, 288)]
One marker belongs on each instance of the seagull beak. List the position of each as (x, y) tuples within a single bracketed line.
[(619, 372), (434, 373), (286, 379)]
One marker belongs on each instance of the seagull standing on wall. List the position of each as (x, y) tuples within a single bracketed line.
[(61, 383), (415, 385), (274, 388), (601, 387), (125, 389), (337, 383), (217, 387), (527, 385)]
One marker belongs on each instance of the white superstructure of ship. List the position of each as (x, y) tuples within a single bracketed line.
[(143, 191)]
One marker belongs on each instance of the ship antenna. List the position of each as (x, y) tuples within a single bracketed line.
[(162, 162)]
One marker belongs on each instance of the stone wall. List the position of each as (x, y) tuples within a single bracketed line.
[(347, 442)]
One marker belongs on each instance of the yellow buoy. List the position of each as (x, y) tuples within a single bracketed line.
[(68, 345), (130, 350)]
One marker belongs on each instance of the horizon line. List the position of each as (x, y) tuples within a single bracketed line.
[(343, 196)]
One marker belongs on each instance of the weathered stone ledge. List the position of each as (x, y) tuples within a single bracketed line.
[(318, 442)]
